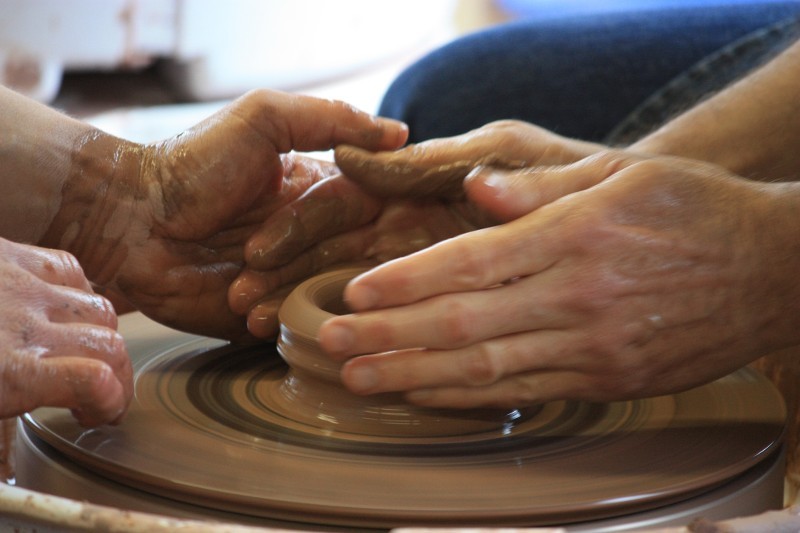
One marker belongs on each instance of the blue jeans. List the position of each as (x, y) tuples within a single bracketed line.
[(579, 76)]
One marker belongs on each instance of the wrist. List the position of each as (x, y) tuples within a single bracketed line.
[(36, 150), (777, 234), (96, 205), (730, 154)]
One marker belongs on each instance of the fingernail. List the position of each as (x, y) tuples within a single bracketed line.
[(362, 379), (336, 339), (496, 182)]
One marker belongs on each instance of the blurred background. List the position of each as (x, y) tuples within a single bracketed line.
[(147, 69)]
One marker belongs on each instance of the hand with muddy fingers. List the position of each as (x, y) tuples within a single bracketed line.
[(647, 277), (59, 346), (301, 240), (437, 168), (169, 229), (405, 200)]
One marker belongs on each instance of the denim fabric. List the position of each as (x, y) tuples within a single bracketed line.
[(579, 76), (705, 78)]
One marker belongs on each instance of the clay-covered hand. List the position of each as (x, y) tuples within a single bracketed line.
[(437, 168), (58, 339), (165, 224), (649, 276), (406, 200)]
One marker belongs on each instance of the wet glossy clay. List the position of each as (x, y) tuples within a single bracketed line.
[(313, 394)]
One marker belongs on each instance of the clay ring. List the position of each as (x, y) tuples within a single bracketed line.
[(305, 309)]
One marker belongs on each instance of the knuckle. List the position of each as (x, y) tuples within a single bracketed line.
[(482, 367), (520, 392), (67, 269), (612, 160), (458, 322), (381, 334), (504, 127), (69, 262), (104, 343), (588, 296), (116, 345), (29, 329), (473, 269), (346, 108), (604, 348), (108, 315), (502, 139)]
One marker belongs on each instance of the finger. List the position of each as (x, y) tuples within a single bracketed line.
[(262, 320), (472, 261), (68, 305), (250, 287), (331, 207), (88, 341), (304, 123), (86, 369), (481, 258), (88, 387), (438, 167), (52, 266), (478, 365), (253, 285), (448, 321), (403, 173), (514, 392), (510, 194)]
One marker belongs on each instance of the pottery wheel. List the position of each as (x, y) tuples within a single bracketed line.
[(208, 426)]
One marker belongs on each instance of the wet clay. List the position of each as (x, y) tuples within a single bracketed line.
[(91, 222), (314, 378), (392, 175)]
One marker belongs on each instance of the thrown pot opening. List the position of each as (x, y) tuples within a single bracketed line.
[(334, 304)]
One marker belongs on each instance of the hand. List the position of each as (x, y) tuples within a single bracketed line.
[(293, 246), (438, 168), (406, 201), (648, 277), (60, 346), (165, 225)]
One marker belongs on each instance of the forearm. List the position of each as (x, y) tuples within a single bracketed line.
[(751, 128), (36, 151), (58, 176)]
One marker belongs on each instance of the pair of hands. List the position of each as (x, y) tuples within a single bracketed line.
[(613, 276), (163, 228)]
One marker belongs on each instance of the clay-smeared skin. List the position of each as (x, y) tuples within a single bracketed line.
[(437, 168), (153, 238), (386, 175), (83, 222), (165, 224), (386, 205)]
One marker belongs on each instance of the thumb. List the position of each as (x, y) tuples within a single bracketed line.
[(408, 173), (510, 194), (304, 123)]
